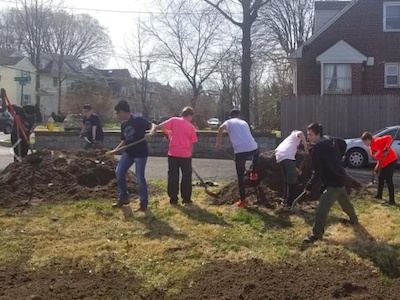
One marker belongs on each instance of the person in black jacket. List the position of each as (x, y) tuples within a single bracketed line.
[(26, 115), (327, 167)]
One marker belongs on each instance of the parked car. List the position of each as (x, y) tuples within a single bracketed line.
[(213, 123), (73, 122), (357, 154), (6, 122)]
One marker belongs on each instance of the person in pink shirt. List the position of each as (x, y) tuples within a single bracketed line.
[(181, 135)]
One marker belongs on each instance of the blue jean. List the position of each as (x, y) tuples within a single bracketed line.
[(123, 166)]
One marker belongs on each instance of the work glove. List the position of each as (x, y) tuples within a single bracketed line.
[(386, 149), (109, 153)]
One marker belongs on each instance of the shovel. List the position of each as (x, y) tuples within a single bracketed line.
[(85, 139), (297, 200), (204, 184), (100, 161)]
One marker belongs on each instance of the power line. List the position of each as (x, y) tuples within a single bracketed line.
[(128, 11)]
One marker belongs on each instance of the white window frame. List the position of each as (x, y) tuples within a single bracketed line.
[(385, 5), (323, 92), (392, 86)]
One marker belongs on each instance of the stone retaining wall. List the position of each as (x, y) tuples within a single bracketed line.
[(158, 146)]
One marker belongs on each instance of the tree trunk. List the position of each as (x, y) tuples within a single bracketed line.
[(246, 64)]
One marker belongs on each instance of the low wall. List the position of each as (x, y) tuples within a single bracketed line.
[(158, 146)]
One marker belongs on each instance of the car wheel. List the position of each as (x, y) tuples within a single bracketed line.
[(356, 158), (7, 129)]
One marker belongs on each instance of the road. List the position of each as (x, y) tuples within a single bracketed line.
[(218, 170)]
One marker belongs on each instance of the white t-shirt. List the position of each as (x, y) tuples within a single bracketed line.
[(287, 149), (240, 135)]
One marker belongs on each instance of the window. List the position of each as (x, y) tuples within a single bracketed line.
[(337, 78), (27, 99), (55, 81), (391, 16), (391, 75)]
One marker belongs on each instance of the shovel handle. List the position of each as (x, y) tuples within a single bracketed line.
[(297, 199)]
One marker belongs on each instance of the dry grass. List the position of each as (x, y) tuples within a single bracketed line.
[(168, 243)]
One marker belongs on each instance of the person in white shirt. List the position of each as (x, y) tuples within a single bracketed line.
[(285, 155), (244, 146)]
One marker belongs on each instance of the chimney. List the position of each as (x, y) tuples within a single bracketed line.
[(325, 11)]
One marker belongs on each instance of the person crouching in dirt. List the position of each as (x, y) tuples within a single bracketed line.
[(244, 146), (26, 114), (182, 136), (327, 167), (386, 162), (285, 155), (91, 127), (133, 129)]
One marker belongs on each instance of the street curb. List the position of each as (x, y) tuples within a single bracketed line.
[(5, 144)]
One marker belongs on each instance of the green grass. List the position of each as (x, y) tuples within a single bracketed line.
[(165, 245)]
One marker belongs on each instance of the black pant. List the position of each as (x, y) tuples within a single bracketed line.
[(386, 174), (185, 165), (240, 162), (22, 149)]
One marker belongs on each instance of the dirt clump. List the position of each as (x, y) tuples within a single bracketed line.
[(68, 283), (256, 280), (52, 176)]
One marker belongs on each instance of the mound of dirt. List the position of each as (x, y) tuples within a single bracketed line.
[(268, 189), (67, 283), (60, 175), (256, 280)]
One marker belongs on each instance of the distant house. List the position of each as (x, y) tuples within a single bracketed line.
[(119, 80), (56, 75), (14, 66), (354, 50)]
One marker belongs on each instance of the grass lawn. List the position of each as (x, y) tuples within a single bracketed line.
[(168, 244)]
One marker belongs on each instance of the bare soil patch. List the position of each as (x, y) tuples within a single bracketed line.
[(53, 176)]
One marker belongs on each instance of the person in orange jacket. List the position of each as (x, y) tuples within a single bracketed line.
[(386, 162)]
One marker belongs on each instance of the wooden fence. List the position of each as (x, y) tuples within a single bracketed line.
[(341, 115)]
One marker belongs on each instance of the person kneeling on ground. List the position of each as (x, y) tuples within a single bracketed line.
[(133, 129), (244, 146), (386, 162), (285, 155), (328, 168)]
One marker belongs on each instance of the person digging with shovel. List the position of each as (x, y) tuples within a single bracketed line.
[(327, 167), (26, 115), (244, 146), (133, 129), (91, 128), (182, 136), (386, 163), (285, 155)]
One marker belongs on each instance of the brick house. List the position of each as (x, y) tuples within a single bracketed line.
[(355, 49)]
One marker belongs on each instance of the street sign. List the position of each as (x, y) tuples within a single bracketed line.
[(23, 79)]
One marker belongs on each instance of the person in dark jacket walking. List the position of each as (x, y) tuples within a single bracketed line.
[(327, 167)]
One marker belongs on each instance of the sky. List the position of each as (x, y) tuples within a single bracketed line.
[(117, 16)]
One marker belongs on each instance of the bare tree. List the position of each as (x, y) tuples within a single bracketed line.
[(78, 35), (188, 37), (284, 26), (9, 38), (249, 12), (138, 50), (32, 24)]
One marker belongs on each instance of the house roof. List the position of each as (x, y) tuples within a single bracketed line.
[(298, 52), (10, 57), (342, 52), (330, 5), (50, 63)]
